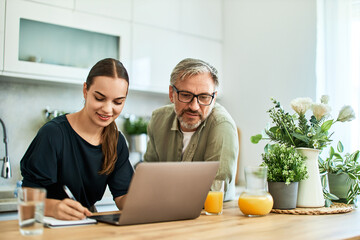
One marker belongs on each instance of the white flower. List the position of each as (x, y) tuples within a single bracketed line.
[(320, 110), (324, 99), (301, 105), (316, 144), (346, 114)]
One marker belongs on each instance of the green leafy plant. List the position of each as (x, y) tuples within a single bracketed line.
[(338, 163), (50, 115), (284, 164), (135, 125), (296, 130)]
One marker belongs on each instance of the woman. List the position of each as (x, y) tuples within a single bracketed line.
[(84, 150)]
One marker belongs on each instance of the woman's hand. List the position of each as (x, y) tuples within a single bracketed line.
[(66, 209)]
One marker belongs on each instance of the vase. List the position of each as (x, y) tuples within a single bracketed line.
[(310, 193), (339, 185), (284, 195), (138, 143)]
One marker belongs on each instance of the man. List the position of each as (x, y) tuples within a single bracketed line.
[(194, 127)]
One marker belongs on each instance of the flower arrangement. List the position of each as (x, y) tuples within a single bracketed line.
[(284, 164), (296, 130)]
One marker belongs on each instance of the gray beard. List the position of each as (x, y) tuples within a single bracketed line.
[(191, 126), (187, 125)]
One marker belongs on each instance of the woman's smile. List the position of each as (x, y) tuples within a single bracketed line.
[(103, 117)]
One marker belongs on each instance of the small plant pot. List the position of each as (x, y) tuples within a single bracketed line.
[(339, 185), (138, 143), (285, 196)]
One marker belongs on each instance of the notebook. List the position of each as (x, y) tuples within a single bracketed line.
[(54, 223), (165, 191)]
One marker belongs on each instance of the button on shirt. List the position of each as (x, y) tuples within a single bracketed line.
[(214, 140)]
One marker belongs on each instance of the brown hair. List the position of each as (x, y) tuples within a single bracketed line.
[(108, 67)]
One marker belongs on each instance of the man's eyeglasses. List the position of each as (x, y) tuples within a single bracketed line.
[(187, 97)]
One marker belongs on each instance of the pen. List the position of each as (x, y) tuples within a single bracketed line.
[(68, 192)]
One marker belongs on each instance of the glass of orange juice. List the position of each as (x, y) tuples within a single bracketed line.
[(255, 200), (214, 200)]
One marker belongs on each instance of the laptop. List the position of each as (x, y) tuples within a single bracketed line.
[(165, 191)]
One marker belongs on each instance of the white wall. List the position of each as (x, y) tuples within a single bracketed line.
[(269, 51)]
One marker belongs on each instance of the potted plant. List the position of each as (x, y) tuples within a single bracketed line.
[(136, 129), (343, 173), (308, 136), (286, 168)]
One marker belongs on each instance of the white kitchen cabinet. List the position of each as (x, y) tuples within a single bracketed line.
[(121, 9), (2, 30), (208, 50), (57, 44), (202, 18), (158, 13), (58, 3), (157, 51)]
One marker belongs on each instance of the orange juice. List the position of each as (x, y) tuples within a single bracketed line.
[(255, 205), (214, 202)]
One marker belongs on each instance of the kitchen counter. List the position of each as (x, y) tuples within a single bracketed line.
[(232, 224)]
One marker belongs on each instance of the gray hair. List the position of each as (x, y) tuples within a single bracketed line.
[(190, 67)]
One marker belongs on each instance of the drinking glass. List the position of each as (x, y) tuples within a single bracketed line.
[(31, 203), (255, 200), (214, 200)]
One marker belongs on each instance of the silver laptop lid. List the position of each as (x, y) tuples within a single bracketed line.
[(167, 191)]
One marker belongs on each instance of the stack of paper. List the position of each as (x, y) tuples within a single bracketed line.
[(52, 222)]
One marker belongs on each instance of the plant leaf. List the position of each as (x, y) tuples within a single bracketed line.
[(340, 147), (326, 125), (267, 147), (256, 138), (338, 156), (328, 203), (351, 175), (332, 196), (332, 151), (355, 156), (300, 137)]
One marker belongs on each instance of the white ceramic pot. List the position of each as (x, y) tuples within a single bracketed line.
[(138, 143), (310, 192)]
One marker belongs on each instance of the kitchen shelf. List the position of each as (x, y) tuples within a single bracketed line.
[(65, 46)]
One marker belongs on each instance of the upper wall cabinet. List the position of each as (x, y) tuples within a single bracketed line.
[(58, 3), (58, 44), (120, 9), (158, 13), (202, 18), (157, 51), (2, 30), (196, 17)]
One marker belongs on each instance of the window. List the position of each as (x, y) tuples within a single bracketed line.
[(338, 64)]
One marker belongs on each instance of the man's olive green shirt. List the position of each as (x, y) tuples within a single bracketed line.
[(214, 140)]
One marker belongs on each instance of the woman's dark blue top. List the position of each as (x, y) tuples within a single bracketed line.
[(59, 156)]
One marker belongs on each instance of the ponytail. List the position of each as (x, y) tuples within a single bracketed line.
[(109, 137)]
